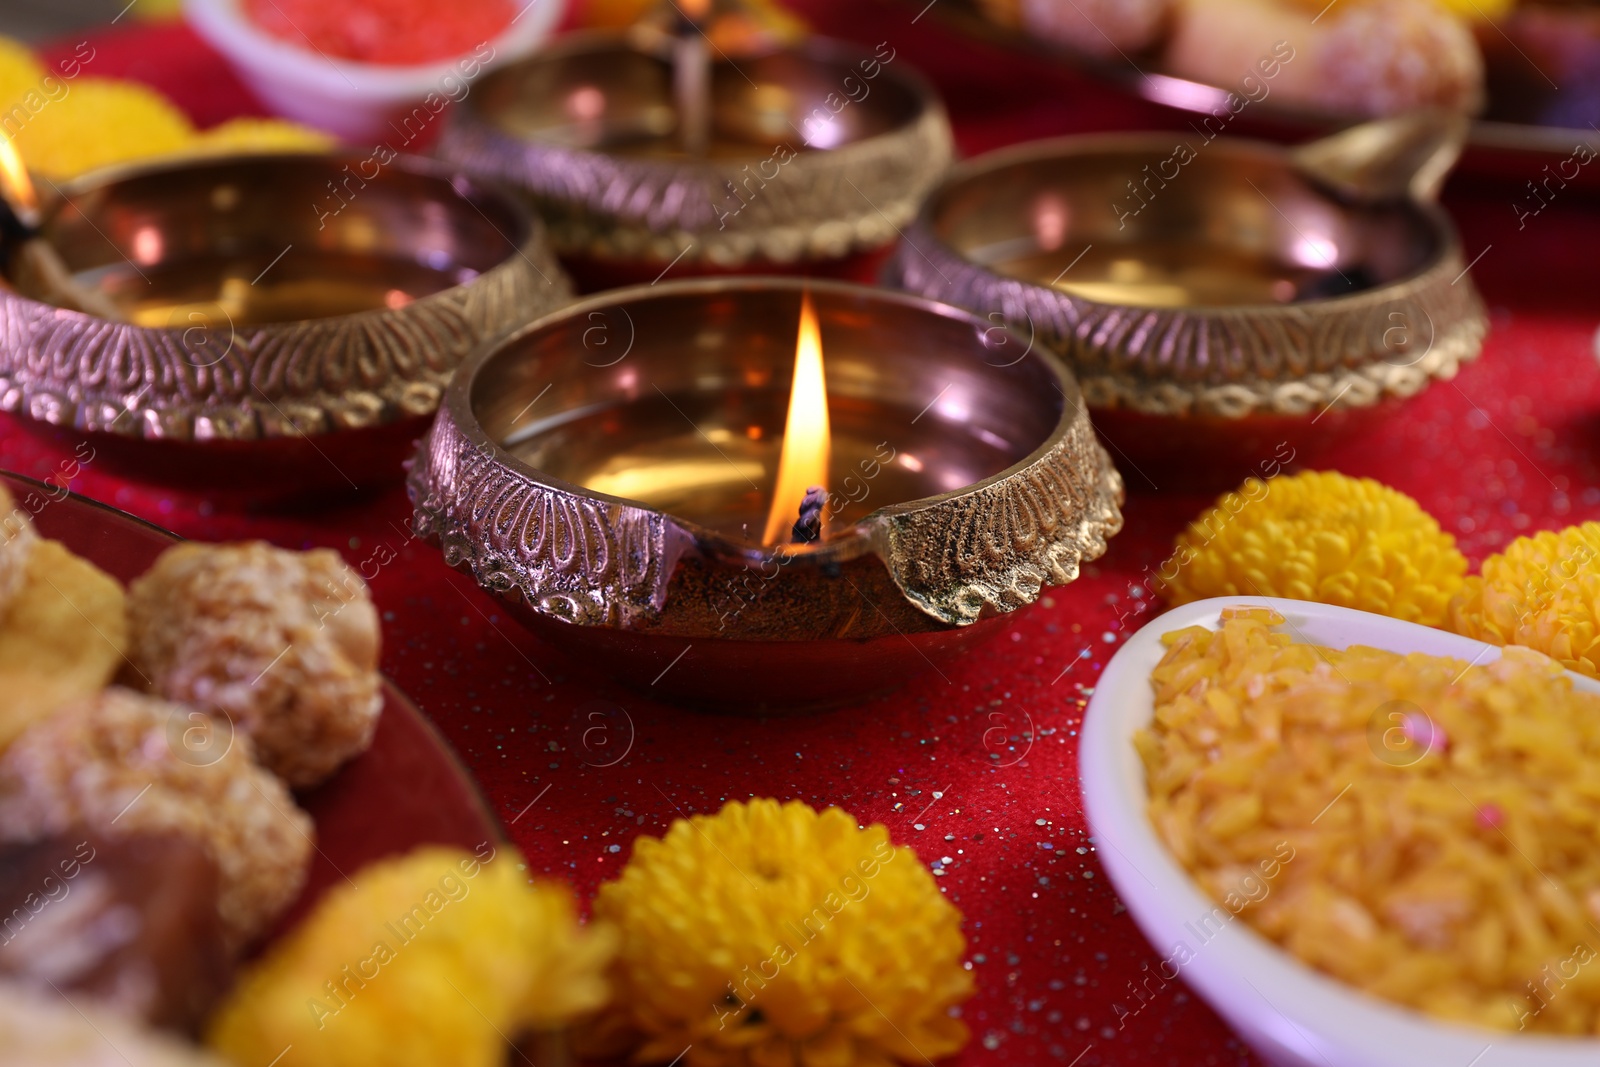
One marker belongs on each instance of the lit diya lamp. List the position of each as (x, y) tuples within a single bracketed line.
[(31, 259), (263, 327), (665, 481), (1218, 298), (649, 150)]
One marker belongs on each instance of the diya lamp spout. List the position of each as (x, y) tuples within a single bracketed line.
[(1403, 156), (31, 261)]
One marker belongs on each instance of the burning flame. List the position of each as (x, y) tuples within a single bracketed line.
[(15, 184), (803, 462)]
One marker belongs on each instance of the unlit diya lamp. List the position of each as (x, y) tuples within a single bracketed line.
[(264, 327), (644, 151), (743, 497), (1218, 299)]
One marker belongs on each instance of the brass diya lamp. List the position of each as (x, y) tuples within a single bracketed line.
[(752, 495), (283, 324), (1219, 298), (642, 151)]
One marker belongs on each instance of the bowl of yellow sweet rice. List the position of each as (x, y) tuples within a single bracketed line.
[(1365, 842)]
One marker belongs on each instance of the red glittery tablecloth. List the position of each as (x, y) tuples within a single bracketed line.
[(973, 764)]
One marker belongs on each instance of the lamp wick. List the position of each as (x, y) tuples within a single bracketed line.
[(808, 527)]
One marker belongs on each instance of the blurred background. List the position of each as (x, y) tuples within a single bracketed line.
[(34, 20)]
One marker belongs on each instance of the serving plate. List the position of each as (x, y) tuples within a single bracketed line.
[(1289, 1013), (407, 790), (1503, 140)]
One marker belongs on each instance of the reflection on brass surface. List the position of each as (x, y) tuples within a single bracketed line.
[(969, 475), (265, 304), (815, 152), (1214, 278), (1170, 274), (219, 290)]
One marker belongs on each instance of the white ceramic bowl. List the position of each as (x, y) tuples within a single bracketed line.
[(353, 100), (1290, 1014)]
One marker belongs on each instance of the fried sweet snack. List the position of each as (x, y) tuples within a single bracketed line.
[(1365, 57), (284, 644), (17, 537), (1106, 28), (49, 1030), (62, 636), (122, 763), (131, 922)]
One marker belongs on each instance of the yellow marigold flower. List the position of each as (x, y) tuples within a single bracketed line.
[(158, 10), (262, 135), (437, 957), (20, 73), (1543, 592), (1478, 10), (100, 122), (770, 934), (1323, 536)]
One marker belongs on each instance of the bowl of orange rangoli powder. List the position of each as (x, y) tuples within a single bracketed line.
[(370, 70)]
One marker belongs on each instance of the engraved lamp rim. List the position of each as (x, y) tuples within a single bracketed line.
[(350, 369), (617, 205), (859, 539), (976, 168), (1044, 496), (1217, 356)]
